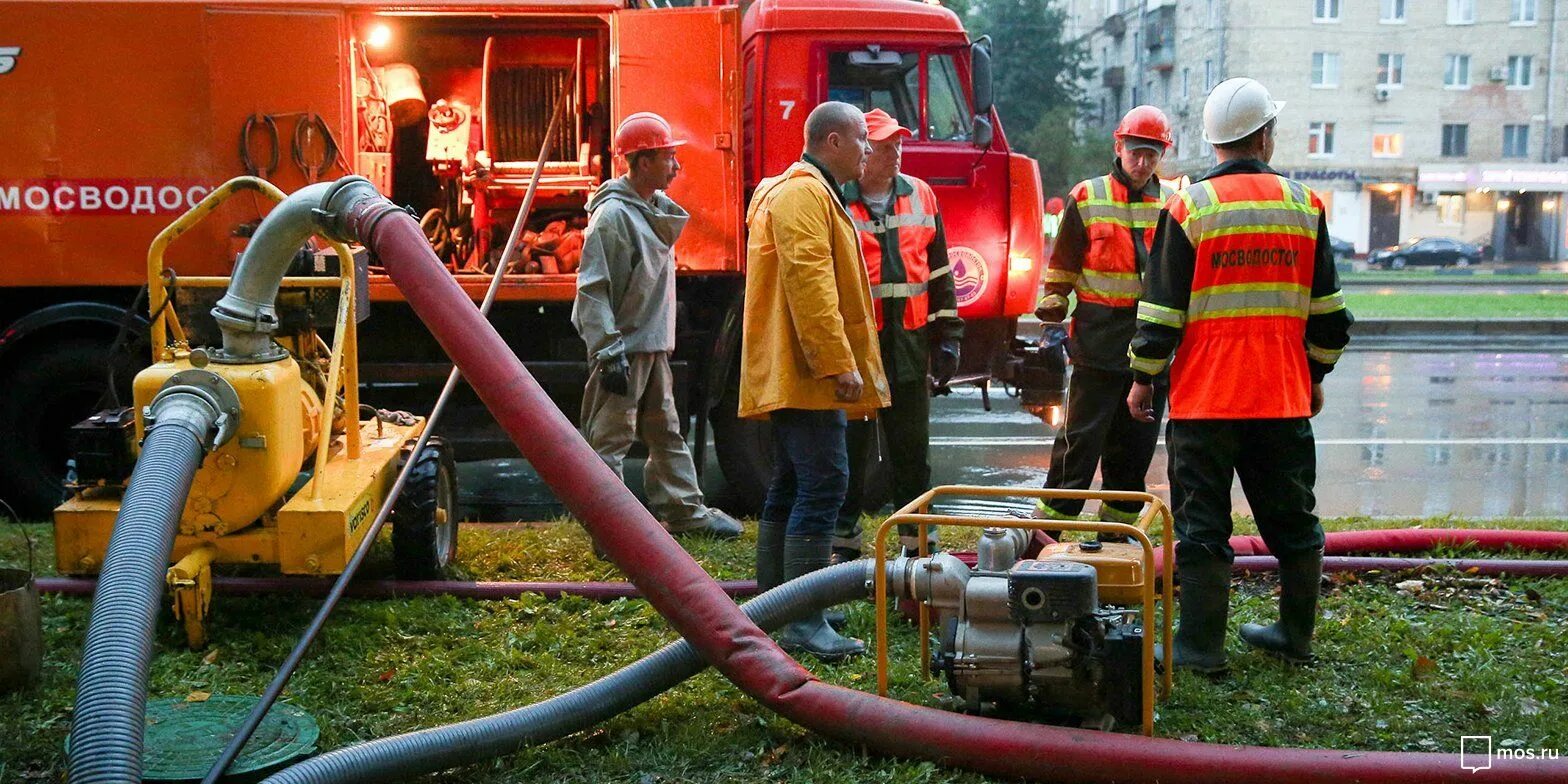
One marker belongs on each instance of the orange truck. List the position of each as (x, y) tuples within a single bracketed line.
[(118, 116)]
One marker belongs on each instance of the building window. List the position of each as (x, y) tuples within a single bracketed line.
[(1451, 209), (1185, 73), (1325, 10), (1208, 76), (1456, 71), (1519, 72), (1456, 141), (1135, 95), (1516, 141), (1522, 12), (1390, 70), (1388, 141), (1325, 69), (1393, 12), (1461, 12), (1320, 139)]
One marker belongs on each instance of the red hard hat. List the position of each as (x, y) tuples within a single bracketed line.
[(644, 131), (1053, 205), (1145, 122)]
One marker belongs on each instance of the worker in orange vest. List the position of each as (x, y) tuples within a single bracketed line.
[(1103, 243), (1241, 288), (918, 328)]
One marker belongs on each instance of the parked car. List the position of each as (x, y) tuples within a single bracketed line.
[(1343, 249), (1425, 252)]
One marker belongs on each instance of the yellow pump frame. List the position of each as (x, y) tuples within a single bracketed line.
[(318, 528), (917, 513)]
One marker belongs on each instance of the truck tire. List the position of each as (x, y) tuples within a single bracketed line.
[(424, 518), (744, 448), (49, 388)]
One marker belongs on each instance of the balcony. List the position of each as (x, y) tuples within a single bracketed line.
[(1115, 76)]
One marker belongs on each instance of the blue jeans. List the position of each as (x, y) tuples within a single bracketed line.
[(810, 471)]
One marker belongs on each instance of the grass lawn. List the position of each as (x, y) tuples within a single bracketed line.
[(1415, 304), (1402, 670)]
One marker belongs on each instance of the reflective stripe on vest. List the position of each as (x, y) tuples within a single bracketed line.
[(914, 221), (1110, 265), (1254, 238)]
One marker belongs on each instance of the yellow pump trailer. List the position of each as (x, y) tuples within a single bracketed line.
[(301, 475)]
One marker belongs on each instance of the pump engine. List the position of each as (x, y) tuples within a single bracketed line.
[(1031, 635)]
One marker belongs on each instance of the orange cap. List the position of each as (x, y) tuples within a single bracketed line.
[(880, 126)]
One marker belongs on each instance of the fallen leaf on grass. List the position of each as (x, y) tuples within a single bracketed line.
[(211, 657), (1423, 667), (1410, 586), (1530, 707), (388, 675), (198, 696)]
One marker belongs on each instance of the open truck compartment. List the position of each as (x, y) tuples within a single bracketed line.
[(450, 115)]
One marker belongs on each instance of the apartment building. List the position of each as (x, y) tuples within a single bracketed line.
[(1410, 118)]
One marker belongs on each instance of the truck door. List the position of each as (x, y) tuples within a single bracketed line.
[(684, 64)]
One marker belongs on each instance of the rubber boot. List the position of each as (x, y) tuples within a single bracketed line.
[(804, 555), (770, 554), (1300, 577), (1205, 608)]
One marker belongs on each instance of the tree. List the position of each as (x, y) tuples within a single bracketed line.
[(1037, 73)]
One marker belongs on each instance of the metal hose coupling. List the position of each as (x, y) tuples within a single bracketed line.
[(247, 314), (198, 401), (937, 580)]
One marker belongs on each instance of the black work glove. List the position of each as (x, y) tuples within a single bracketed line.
[(615, 375), (944, 363), (1052, 309)]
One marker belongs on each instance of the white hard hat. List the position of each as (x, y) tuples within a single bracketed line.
[(1236, 108)]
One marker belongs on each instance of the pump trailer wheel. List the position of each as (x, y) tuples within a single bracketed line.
[(424, 519)]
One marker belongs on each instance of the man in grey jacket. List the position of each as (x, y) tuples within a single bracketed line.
[(625, 313)]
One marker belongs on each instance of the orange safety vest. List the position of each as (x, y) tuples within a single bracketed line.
[(1243, 352), (1110, 266), (914, 219)]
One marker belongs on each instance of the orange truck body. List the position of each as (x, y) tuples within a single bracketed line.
[(118, 116)]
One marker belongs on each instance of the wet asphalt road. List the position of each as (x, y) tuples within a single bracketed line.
[(1402, 435)]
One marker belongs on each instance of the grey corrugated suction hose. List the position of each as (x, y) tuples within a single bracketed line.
[(466, 742), (111, 689)]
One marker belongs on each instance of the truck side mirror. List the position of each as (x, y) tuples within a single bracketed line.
[(980, 74), (983, 131)]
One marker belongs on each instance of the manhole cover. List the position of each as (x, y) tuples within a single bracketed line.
[(184, 739)]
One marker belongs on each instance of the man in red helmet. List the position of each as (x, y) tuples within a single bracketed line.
[(1101, 247), (625, 313)]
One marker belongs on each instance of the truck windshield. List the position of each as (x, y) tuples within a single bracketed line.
[(890, 81)]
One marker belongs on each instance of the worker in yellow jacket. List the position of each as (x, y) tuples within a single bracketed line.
[(809, 356)]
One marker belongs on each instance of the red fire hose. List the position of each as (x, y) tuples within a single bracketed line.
[(693, 603)]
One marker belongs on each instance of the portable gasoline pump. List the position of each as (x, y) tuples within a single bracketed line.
[(1064, 635)]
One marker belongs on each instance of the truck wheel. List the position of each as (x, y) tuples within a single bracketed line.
[(50, 388), (424, 519), (744, 448)]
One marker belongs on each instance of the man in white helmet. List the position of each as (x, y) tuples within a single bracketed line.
[(1241, 288)]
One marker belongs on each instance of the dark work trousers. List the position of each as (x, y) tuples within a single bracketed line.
[(810, 471), (1100, 433), (1276, 460), (906, 426)]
